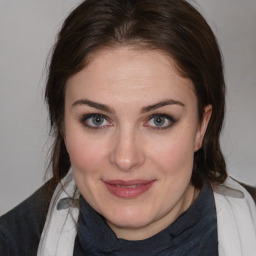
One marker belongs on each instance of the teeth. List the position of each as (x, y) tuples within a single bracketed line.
[(131, 186)]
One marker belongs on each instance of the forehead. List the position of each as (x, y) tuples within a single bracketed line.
[(128, 73)]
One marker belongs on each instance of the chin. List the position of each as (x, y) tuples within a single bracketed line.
[(130, 218)]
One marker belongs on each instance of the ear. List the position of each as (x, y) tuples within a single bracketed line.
[(202, 127)]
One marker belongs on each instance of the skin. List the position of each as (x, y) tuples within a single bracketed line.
[(128, 145)]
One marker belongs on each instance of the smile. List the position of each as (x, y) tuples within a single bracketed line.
[(128, 189)]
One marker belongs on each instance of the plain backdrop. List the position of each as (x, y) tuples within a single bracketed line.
[(28, 30)]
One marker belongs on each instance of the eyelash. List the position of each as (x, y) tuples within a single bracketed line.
[(84, 119), (171, 119)]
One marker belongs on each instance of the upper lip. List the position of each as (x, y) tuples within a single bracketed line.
[(128, 182)]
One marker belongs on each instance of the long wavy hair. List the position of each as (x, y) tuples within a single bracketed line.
[(172, 26)]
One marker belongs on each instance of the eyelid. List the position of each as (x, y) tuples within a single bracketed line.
[(170, 118), (83, 118)]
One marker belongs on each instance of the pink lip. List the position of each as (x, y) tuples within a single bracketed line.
[(128, 189)]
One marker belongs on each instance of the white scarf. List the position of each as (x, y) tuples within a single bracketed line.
[(236, 220)]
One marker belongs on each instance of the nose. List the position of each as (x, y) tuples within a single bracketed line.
[(127, 152)]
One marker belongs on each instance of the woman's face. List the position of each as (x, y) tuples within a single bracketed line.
[(131, 129)]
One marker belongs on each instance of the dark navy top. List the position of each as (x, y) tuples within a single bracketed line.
[(21, 228), (194, 233)]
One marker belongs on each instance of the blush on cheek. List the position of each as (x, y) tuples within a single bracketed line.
[(176, 159), (84, 158)]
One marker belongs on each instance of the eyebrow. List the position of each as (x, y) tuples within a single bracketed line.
[(108, 109), (93, 104), (161, 104)]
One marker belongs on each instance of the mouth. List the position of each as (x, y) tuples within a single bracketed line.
[(128, 189)]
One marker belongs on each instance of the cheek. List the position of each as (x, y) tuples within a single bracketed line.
[(83, 158), (175, 154), (86, 154)]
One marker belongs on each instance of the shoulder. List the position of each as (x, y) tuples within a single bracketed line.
[(250, 189), (235, 193), (232, 195), (20, 228), (236, 219)]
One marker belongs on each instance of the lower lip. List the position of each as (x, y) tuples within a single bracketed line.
[(129, 192)]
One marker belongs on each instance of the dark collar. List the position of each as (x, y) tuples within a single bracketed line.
[(94, 235)]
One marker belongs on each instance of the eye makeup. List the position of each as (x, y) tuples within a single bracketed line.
[(160, 121), (95, 121), (156, 121)]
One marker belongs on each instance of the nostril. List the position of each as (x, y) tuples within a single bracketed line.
[(126, 153), (127, 162)]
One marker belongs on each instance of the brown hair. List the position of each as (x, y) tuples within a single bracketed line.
[(173, 26)]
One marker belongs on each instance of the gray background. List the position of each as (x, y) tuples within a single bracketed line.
[(27, 33)]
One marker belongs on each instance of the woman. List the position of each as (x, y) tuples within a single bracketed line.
[(136, 99)]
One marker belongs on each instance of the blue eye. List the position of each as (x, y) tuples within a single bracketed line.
[(95, 121), (160, 121)]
